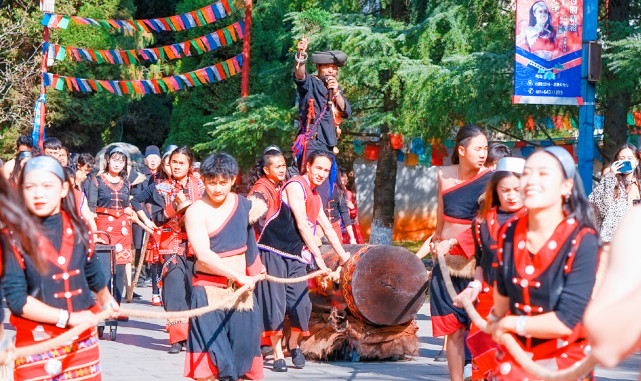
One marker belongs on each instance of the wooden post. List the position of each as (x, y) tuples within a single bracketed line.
[(43, 90), (244, 87)]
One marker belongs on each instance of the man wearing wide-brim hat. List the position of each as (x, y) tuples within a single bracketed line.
[(323, 123)]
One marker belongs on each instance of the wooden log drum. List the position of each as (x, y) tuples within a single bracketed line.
[(380, 285)]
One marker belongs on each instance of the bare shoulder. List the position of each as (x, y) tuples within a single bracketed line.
[(447, 176), (198, 210)]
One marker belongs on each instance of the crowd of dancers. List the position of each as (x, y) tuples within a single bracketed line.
[(519, 237)]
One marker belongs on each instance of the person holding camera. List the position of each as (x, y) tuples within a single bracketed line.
[(614, 195), (617, 191)]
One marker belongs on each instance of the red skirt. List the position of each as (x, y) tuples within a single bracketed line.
[(119, 229), (78, 360), (508, 369), (480, 344)]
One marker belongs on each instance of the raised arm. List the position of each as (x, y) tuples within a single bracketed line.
[(301, 72)]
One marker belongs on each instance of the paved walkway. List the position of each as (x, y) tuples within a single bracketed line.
[(140, 353)]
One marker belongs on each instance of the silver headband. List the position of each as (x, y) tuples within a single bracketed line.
[(24, 155), (171, 148), (117, 149), (510, 164), (272, 148), (45, 163), (566, 160)]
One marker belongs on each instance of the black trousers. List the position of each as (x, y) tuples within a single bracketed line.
[(176, 283), (118, 278), (276, 299)]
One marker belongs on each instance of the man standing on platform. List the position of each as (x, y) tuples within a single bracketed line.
[(321, 107), (287, 245)]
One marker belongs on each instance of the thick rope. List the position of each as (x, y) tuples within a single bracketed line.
[(203, 310), (69, 335), (58, 341), (579, 370)]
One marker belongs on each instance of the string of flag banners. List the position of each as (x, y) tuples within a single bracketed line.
[(210, 74), (193, 19), (200, 45)]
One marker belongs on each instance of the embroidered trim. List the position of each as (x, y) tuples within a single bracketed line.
[(58, 352)]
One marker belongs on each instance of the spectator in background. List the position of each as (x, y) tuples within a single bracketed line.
[(338, 212), (52, 146), (84, 166), (613, 196), (24, 143), (495, 152), (195, 169), (152, 164), (63, 156), (350, 199)]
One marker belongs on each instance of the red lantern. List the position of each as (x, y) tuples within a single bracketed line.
[(371, 152), (396, 140)]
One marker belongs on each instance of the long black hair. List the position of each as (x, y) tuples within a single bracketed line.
[(20, 226), (312, 156), (463, 137), (622, 179), (184, 150), (265, 161), (17, 168)]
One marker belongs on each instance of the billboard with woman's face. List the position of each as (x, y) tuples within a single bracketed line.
[(547, 68)]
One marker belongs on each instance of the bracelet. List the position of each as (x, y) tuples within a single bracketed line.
[(63, 318), (520, 326), (451, 244), (301, 60), (491, 317), (111, 305), (475, 284)]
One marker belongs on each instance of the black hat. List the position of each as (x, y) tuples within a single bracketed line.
[(152, 150), (329, 57)]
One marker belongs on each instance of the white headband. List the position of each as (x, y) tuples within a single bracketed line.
[(510, 164)]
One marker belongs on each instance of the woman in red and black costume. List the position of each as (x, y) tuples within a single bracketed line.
[(270, 172), (149, 203), (45, 302), (20, 232), (224, 344), (108, 197), (176, 258), (459, 188), (502, 201), (548, 259)]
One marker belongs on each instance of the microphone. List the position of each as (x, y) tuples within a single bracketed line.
[(331, 91)]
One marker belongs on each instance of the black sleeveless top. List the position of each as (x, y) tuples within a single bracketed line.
[(280, 234), (461, 202)]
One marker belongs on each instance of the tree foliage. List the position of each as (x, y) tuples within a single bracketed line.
[(436, 63)]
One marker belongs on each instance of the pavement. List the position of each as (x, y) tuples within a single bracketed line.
[(140, 353)]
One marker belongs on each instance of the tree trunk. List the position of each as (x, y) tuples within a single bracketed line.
[(384, 189), (617, 100), (385, 182), (615, 125)]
